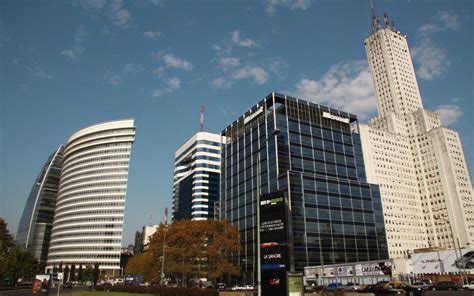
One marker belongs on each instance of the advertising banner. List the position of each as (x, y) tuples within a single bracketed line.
[(273, 232), (443, 261), (377, 268), (273, 244)]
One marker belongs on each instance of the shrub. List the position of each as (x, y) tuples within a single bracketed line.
[(159, 290)]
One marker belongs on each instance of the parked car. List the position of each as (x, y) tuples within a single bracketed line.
[(334, 286), (391, 288), (426, 284), (469, 286), (466, 261), (446, 286), (221, 286), (415, 289), (67, 285), (368, 289), (352, 287)]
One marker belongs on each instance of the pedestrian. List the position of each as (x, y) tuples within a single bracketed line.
[(37, 286), (45, 287)]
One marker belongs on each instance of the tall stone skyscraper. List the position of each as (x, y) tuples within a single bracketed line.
[(420, 165)]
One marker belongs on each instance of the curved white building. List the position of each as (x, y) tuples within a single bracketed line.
[(88, 219)]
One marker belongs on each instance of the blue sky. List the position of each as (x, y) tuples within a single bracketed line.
[(66, 65)]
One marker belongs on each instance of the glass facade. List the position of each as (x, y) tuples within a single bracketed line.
[(34, 229), (316, 160), (196, 178)]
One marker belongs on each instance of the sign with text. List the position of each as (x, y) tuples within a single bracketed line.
[(273, 243), (273, 232), (377, 268)]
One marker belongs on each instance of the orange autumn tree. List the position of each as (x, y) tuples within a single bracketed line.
[(192, 250)]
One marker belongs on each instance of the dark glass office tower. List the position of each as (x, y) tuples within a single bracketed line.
[(34, 229), (315, 160)]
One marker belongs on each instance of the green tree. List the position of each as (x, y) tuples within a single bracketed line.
[(95, 275), (6, 240), (80, 273), (19, 263), (194, 249), (66, 274), (72, 273), (88, 273), (14, 261)]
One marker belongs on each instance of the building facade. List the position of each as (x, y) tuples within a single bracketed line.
[(142, 238), (316, 162), (88, 220), (196, 177), (420, 165), (34, 229)]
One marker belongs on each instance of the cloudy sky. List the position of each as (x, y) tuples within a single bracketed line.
[(66, 65)]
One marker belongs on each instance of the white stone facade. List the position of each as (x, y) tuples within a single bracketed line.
[(88, 219), (420, 165)]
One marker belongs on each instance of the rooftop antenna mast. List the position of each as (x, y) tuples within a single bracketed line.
[(166, 216), (202, 118), (375, 18)]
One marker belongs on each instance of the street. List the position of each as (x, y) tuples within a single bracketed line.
[(52, 292)]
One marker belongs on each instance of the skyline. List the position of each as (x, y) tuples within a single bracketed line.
[(249, 49)]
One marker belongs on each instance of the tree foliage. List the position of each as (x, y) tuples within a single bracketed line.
[(14, 261), (191, 249)]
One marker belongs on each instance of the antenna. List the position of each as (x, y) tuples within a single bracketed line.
[(202, 118), (166, 216), (375, 18)]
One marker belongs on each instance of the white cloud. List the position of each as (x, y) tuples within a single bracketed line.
[(130, 68), (120, 16), (279, 68), (39, 71), (449, 114), (174, 83), (151, 34), (291, 4), (259, 75), (242, 42), (170, 61), (78, 47), (175, 62), (157, 93), (346, 86), (223, 83), (113, 9), (432, 60), (94, 5), (115, 80), (228, 62), (442, 21)]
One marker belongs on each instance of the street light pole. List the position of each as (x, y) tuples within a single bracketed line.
[(162, 275), (454, 243), (259, 176)]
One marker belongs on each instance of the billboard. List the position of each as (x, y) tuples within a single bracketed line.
[(376, 268), (273, 243), (442, 261), (273, 232)]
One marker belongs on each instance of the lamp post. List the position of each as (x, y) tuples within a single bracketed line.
[(274, 133), (162, 275), (446, 221)]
